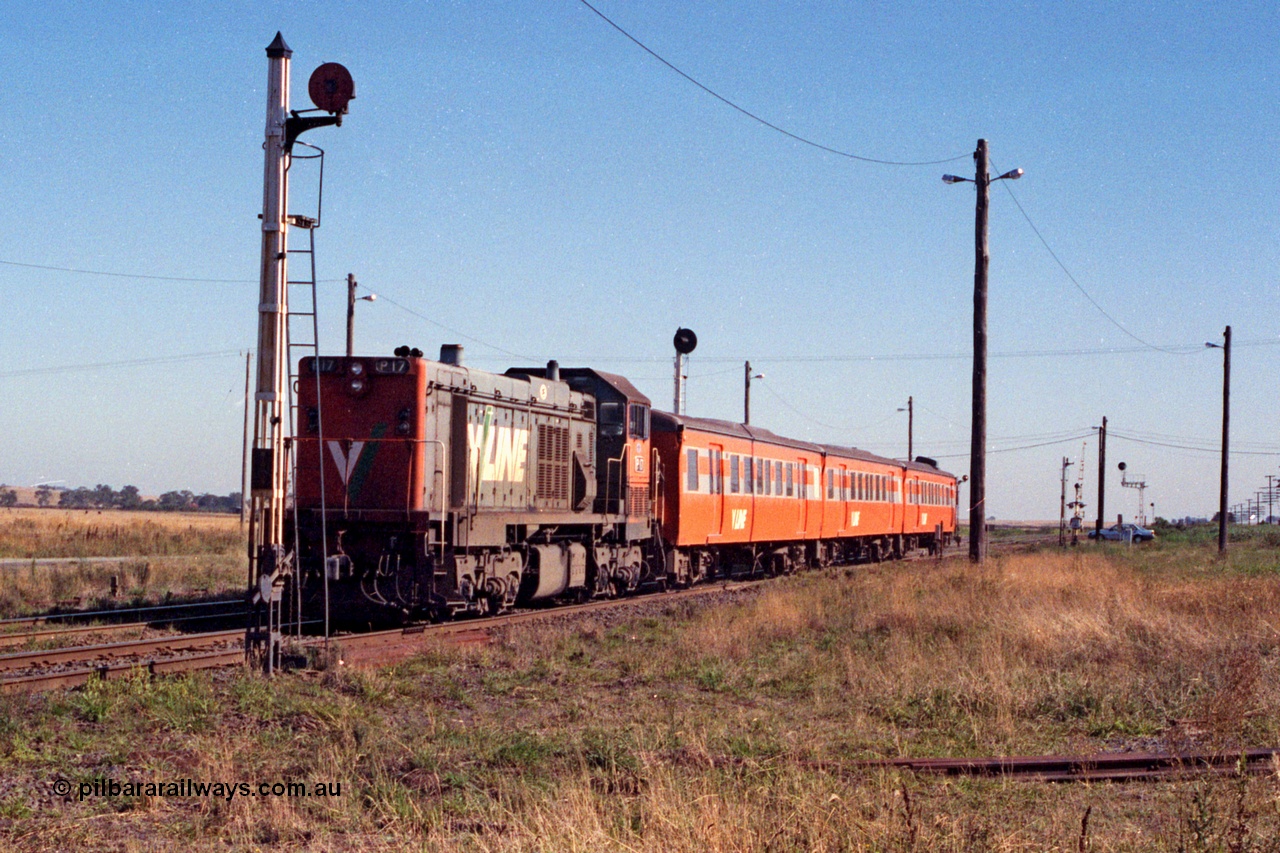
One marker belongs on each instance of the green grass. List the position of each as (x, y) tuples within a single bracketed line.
[(720, 729)]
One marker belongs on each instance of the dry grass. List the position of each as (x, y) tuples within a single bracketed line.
[(727, 729), (38, 588), (151, 556), (27, 533)]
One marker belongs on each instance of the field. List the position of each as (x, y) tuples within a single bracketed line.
[(729, 728), (164, 556)]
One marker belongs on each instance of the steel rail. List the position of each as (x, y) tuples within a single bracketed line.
[(396, 644), (127, 648), (8, 641), (77, 677), (1100, 767)]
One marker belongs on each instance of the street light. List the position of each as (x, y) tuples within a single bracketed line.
[(351, 309), (1225, 346), (978, 439)]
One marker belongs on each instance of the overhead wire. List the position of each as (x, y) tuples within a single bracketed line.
[(133, 362), (78, 271), (756, 118), (382, 295), (1072, 278)]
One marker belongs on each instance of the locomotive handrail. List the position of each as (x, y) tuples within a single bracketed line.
[(608, 478)]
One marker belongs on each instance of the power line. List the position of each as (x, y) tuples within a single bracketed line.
[(757, 118), (134, 362), (1173, 349), (144, 275), (1192, 448), (1021, 447), (382, 295), (1072, 278), (811, 419)]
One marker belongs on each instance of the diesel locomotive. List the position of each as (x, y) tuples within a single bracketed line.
[(430, 489)]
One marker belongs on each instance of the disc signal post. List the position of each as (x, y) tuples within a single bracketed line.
[(270, 568)]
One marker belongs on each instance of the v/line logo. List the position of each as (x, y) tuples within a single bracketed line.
[(498, 453)]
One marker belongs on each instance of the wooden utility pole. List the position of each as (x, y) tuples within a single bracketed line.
[(1062, 505), (1226, 434), (746, 393), (978, 438), (351, 313), (911, 427), (1102, 476)]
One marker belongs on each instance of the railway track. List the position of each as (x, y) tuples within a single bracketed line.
[(48, 669), (1105, 767)]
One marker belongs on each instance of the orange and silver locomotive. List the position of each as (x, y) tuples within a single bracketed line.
[(427, 488)]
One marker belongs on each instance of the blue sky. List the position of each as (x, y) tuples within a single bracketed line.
[(520, 178)]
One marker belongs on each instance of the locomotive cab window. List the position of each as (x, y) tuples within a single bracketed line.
[(639, 421), (611, 424)]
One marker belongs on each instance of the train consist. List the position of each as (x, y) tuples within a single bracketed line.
[(429, 489)]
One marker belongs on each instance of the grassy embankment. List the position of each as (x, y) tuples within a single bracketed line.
[(721, 729), (167, 555)]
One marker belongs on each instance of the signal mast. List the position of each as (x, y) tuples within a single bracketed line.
[(1141, 486), (270, 568)]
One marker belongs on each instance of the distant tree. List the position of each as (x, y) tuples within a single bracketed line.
[(104, 496), (8, 497), (128, 498), (44, 496), (176, 501), (80, 498)]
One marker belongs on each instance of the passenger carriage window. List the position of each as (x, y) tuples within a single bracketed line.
[(768, 476), (717, 473), (691, 478), (831, 485), (761, 467), (733, 473), (777, 478), (748, 474), (791, 473)]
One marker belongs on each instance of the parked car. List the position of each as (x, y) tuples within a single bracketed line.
[(1124, 533)]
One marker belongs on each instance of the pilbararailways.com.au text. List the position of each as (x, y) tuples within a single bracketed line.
[(191, 788)]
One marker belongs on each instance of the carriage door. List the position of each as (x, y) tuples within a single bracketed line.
[(803, 490), (717, 489)]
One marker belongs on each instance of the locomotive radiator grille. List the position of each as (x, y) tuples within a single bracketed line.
[(553, 464), (638, 500)]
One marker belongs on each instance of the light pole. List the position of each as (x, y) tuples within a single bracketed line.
[(911, 420), (978, 439), (1225, 346), (746, 391), (352, 284)]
